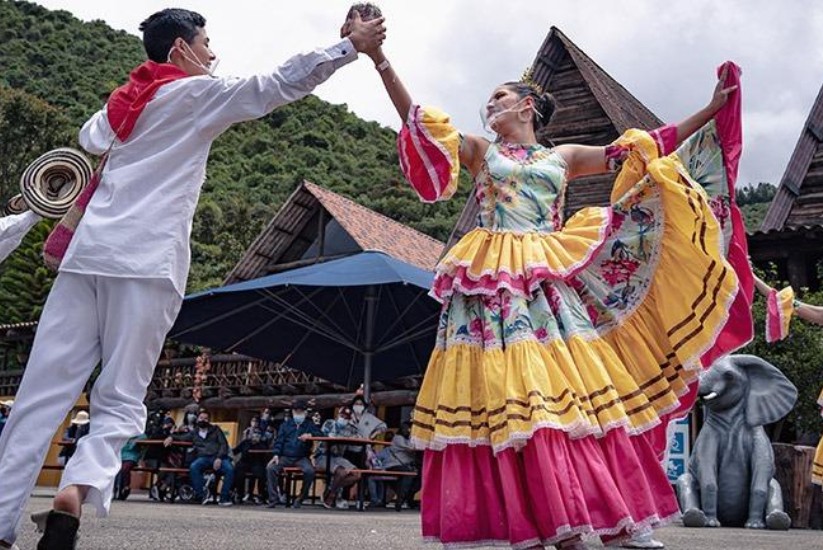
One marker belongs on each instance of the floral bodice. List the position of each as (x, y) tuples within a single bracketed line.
[(521, 188)]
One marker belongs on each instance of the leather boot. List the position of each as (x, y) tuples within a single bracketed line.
[(59, 531)]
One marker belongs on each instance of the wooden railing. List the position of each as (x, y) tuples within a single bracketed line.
[(229, 376)]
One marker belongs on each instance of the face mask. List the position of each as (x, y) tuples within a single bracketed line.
[(264, 416), (191, 418), (358, 409), (299, 418), (189, 55), (342, 422), (490, 115), (202, 423)]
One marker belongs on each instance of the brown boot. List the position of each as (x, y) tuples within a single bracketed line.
[(59, 530)]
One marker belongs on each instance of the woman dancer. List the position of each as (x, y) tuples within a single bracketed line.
[(562, 342)]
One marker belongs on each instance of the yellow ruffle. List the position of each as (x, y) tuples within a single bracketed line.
[(501, 396), (817, 465), (528, 257), (635, 372), (692, 289)]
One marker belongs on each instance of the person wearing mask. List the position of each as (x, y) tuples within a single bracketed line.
[(292, 448), (156, 457), (400, 456), (250, 463), (265, 418), (189, 421), (341, 468), (210, 451), (78, 429), (368, 425), (123, 273)]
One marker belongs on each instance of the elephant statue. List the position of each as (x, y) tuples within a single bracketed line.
[(730, 478)]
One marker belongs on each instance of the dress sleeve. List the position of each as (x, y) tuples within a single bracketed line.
[(664, 138), (779, 312), (428, 146)]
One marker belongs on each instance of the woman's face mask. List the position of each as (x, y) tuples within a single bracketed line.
[(299, 418), (342, 421), (358, 409), (492, 111)]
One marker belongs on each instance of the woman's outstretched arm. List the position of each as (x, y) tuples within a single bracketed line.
[(472, 148), (586, 160), (807, 312)]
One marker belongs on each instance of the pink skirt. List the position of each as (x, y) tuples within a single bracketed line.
[(553, 489)]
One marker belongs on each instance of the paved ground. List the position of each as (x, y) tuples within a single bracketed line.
[(141, 524)]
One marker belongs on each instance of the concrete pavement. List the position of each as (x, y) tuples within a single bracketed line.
[(141, 524)]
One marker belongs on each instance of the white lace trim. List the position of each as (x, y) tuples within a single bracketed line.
[(564, 532)]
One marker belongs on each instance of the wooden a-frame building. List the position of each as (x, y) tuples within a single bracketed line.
[(592, 108)]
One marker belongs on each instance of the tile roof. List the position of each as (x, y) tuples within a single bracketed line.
[(374, 231), (369, 230)]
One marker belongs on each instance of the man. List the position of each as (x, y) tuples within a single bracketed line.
[(292, 448), (123, 276), (210, 451)]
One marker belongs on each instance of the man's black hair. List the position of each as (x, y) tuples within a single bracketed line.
[(161, 29)]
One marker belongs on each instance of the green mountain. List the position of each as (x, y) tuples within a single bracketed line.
[(253, 167)]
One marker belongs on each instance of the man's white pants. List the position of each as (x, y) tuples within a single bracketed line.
[(120, 323)]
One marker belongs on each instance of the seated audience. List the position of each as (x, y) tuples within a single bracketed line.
[(343, 475), (292, 448), (210, 451)]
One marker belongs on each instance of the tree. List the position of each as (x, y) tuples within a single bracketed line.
[(28, 128), (25, 280), (800, 358)]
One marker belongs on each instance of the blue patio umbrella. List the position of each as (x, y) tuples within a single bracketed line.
[(360, 318)]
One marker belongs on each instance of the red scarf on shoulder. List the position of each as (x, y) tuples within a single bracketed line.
[(128, 101)]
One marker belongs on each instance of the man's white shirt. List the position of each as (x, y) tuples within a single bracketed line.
[(138, 223)]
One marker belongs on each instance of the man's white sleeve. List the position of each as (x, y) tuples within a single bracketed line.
[(221, 102), (96, 134), (13, 229)]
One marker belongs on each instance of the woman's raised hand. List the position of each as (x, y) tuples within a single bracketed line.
[(366, 36), (721, 92)]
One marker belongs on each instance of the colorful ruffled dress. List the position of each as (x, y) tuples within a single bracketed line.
[(565, 345), (779, 312)]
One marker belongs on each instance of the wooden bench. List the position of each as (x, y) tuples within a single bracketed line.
[(135, 469), (382, 475)]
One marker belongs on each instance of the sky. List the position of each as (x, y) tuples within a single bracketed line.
[(452, 53)]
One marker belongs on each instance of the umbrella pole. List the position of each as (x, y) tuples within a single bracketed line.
[(368, 352)]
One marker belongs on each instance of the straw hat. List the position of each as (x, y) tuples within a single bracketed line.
[(51, 183), (81, 418)]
